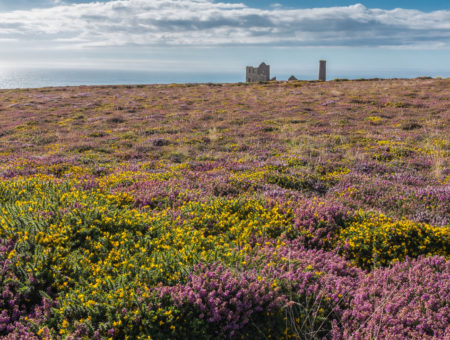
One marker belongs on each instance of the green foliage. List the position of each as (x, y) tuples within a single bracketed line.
[(376, 240)]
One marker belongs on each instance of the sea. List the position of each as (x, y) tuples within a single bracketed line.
[(16, 78), (36, 78)]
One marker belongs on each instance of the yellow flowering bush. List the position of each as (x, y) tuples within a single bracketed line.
[(103, 256), (376, 240)]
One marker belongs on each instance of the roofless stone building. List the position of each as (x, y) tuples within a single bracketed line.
[(257, 74), (262, 73)]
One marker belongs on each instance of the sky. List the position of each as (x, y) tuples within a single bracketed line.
[(371, 38)]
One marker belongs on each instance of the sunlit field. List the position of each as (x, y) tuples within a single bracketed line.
[(281, 210)]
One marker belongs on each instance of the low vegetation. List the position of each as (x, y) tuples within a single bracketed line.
[(277, 210)]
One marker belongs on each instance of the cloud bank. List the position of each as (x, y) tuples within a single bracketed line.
[(208, 23)]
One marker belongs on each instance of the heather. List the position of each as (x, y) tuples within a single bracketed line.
[(276, 210), (407, 301)]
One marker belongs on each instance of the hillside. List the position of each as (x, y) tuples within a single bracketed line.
[(226, 210)]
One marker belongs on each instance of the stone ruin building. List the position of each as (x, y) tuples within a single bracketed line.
[(262, 73), (257, 74)]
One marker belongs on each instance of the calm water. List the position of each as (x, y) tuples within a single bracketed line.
[(26, 78)]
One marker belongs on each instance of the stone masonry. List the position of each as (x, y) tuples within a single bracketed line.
[(257, 74), (322, 70)]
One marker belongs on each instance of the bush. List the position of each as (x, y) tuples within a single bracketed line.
[(375, 240), (317, 223), (411, 300), (228, 303), (303, 182), (23, 308)]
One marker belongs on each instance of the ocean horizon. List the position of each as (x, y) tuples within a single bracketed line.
[(20, 78), (36, 78)]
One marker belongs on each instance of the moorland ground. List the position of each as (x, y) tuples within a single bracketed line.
[(280, 209)]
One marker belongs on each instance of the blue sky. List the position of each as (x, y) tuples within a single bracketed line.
[(369, 38)]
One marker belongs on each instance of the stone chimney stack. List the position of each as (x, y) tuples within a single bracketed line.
[(323, 70)]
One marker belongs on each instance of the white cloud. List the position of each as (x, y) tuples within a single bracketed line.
[(206, 23)]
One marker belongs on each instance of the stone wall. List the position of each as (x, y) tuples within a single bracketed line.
[(256, 74)]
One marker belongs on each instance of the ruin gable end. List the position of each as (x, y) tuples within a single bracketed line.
[(257, 74)]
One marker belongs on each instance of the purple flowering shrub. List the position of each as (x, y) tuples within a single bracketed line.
[(21, 309), (160, 195), (435, 208), (231, 303), (400, 194), (316, 284), (281, 289), (317, 222), (410, 300)]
